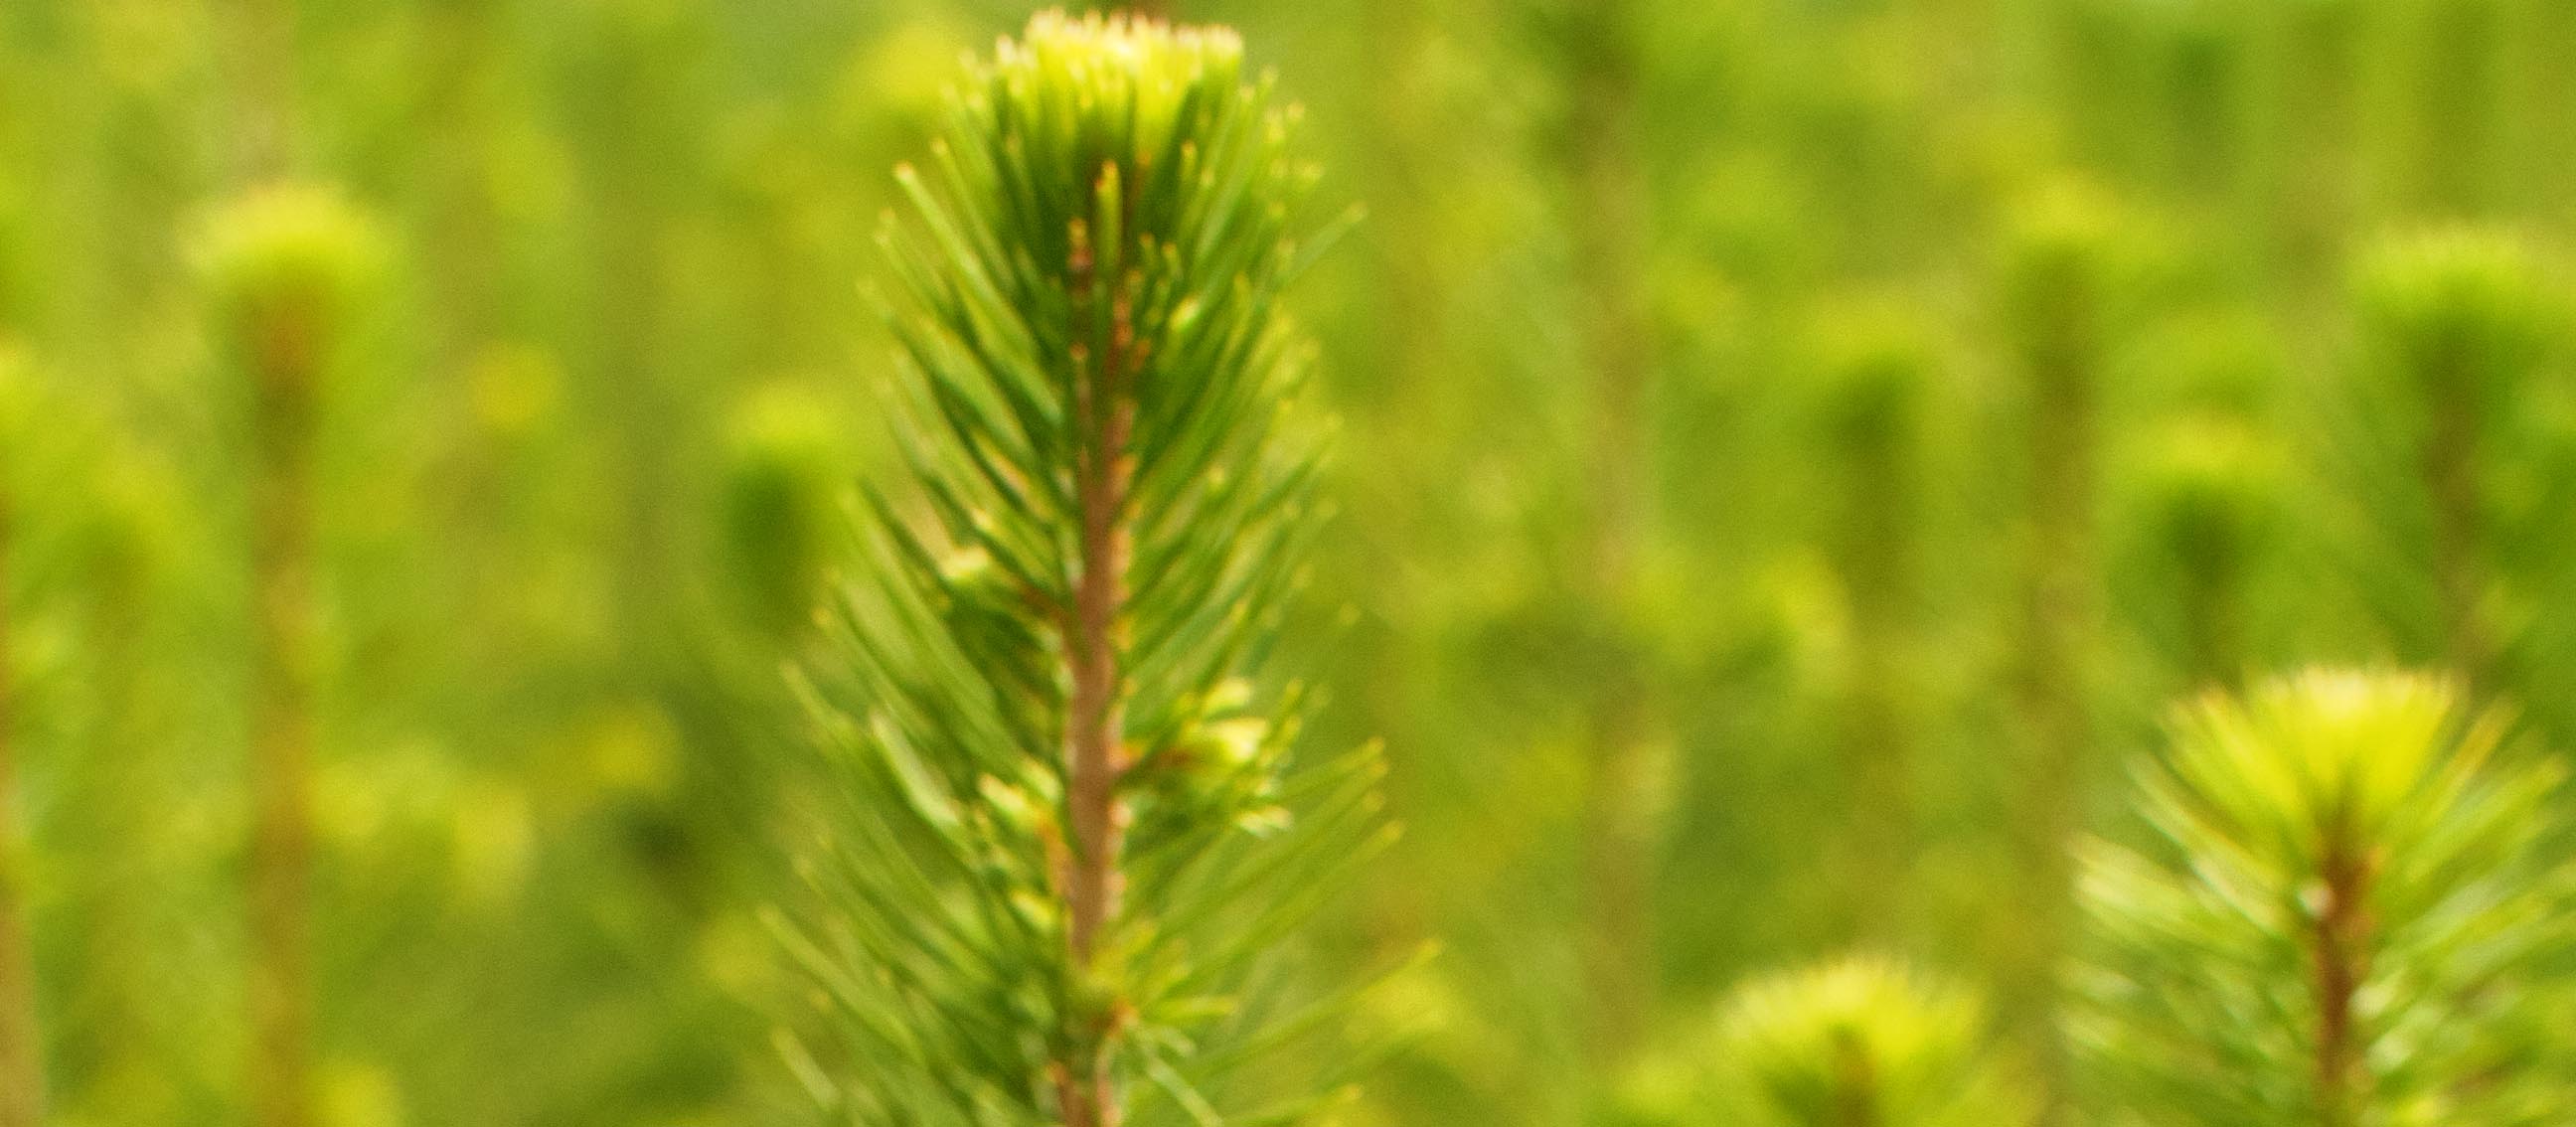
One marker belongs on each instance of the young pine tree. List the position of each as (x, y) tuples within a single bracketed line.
[(2206, 496), (2352, 909), (1066, 823), (1877, 377), (2058, 269), (1864, 1043), (284, 267), (2209, 504), (777, 512), (2457, 328)]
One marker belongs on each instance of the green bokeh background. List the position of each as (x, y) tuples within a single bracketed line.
[(1792, 452)]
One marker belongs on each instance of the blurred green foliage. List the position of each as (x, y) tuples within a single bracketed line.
[(2349, 912), (1859, 1040), (1792, 453)]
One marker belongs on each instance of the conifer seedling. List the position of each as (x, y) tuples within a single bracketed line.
[(1864, 1042), (2351, 907), (777, 510), (285, 267), (1064, 821), (2209, 504), (2059, 268), (1873, 398), (2456, 326)]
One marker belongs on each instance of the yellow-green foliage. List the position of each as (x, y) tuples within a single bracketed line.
[(1876, 362), (2352, 908), (2211, 496), (1864, 1042), (2461, 315), (1103, 77), (2061, 258)]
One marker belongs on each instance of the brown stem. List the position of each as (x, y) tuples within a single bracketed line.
[(1095, 751), (1092, 750), (1856, 1079), (22, 1079), (2342, 960), (282, 738)]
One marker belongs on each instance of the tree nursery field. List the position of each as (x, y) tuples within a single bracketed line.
[(1240, 563)]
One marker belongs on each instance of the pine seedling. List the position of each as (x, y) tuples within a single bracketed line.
[(2210, 507), (2352, 908), (778, 511), (2057, 275), (2205, 493), (779, 540), (22, 1079), (1864, 1042), (284, 268), (2455, 328), (1073, 824), (1875, 377), (2058, 271)]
